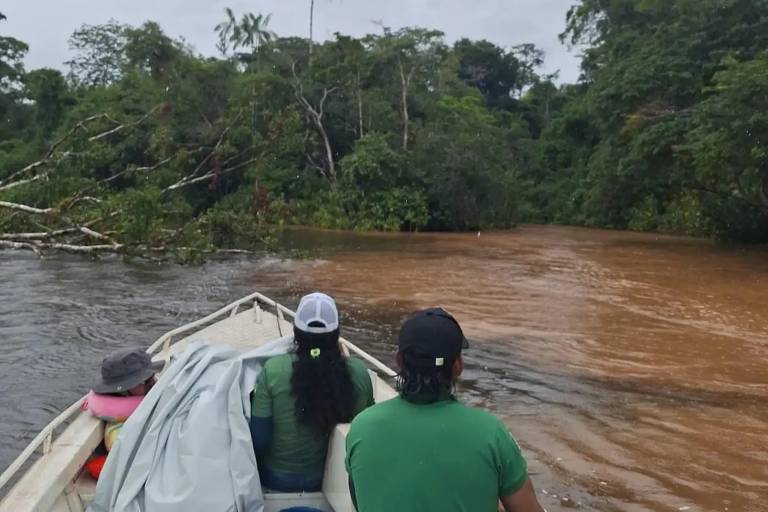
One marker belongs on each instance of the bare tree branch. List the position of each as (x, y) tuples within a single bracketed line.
[(97, 235), (238, 156), (55, 146), (76, 249), (9, 182), (136, 169), (316, 116), (315, 165), (5, 244), (122, 127), (191, 178), (25, 170), (79, 126), (20, 182), (25, 208), (209, 176), (37, 236)]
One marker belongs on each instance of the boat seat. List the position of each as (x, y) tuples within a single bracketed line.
[(280, 501)]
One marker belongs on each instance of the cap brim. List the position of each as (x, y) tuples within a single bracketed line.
[(464, 343)]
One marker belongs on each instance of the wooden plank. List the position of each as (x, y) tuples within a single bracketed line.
[(46, 480)]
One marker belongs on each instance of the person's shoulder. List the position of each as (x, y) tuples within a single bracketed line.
[(281, 359), (374, 413), (279, 364), (356, 365), (357, 370), (480, 418)]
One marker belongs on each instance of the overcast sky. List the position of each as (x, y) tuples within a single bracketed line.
[(46, 24)]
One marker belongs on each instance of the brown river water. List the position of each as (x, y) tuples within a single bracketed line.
[(633, 369)]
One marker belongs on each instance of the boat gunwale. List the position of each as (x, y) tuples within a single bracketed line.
[(45, 437)]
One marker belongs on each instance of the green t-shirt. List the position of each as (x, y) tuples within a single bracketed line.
[(296, 448), (442, 457)]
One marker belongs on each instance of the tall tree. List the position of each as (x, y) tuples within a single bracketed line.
[(48, 90), (252, 32), (228, 32), (255, 33), (415, 51), (311, 29), (12, 52), (316, 114), (99, 53), (148, 49)]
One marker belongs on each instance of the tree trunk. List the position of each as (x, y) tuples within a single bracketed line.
[(328, 152), (764, 186), (316, 116), (405, 84), (311, 29), (253, 111), (360, 105)]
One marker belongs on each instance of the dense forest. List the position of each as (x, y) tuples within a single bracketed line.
[(145, 147)]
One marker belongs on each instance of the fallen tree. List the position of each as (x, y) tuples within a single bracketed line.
[(143, 218)]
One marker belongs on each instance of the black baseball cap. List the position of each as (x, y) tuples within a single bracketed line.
[(431, 337)]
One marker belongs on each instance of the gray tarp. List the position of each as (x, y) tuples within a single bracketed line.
[(188, 446)]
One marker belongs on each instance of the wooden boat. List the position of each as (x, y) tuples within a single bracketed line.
[(56, 481)]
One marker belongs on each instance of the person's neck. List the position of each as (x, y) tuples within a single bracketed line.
[(426, 397)]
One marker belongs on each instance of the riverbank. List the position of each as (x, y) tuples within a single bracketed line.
[(277, 238)]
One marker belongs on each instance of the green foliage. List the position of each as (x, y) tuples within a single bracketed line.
[(51, 96), (147, 49), (100, 54), (376, 191), (468, 165), (12, 52), (728, 148), (666, 132), (164, 149)]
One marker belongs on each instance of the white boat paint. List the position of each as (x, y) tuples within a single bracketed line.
[(56, 482)]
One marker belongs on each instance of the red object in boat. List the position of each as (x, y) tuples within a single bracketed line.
[(95, 465)]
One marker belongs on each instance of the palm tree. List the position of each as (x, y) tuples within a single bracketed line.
[(254, 32), (251, 32), (229, 33)]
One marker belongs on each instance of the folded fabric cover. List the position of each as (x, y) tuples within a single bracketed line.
[(188, 446)]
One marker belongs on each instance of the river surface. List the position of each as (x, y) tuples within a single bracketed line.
[(633, 369)]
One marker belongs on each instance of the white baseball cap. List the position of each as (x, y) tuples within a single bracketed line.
[(318, 309)]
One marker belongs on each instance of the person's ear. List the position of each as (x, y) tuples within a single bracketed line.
[(458, 366)]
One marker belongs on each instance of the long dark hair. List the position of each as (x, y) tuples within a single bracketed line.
[(325, 395), (424, 384)]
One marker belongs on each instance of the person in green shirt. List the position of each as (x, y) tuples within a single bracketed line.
[(300, 397), (425, 451)]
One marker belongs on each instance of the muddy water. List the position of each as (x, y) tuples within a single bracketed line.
[(632, 368)]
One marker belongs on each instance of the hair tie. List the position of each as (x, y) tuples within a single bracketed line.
[(315, 353)]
